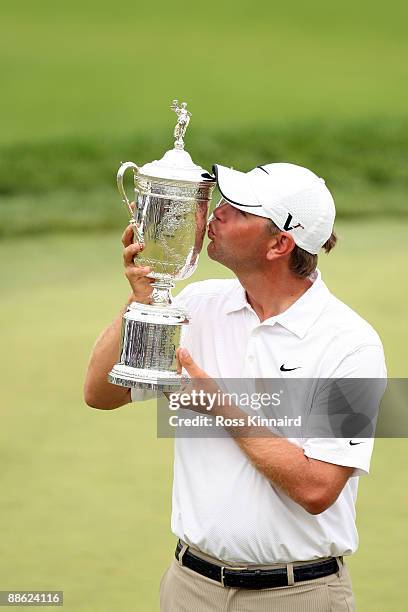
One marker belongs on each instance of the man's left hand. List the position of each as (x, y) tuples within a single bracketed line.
[(200, 381)]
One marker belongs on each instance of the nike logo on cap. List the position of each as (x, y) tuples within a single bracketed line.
[(354, 443), (287, 227), (283, 369)]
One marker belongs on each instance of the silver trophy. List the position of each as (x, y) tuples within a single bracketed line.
[(170, 217)]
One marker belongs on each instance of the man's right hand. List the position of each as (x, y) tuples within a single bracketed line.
[(137, 275)]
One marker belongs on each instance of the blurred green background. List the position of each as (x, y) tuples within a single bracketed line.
[(85, 494)]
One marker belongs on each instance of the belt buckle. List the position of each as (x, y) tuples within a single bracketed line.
[(233, 569)]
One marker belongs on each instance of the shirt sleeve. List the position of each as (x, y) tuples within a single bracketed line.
[(351, 401), (142, 395)]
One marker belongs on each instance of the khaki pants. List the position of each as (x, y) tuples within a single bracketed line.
[(183, 590)]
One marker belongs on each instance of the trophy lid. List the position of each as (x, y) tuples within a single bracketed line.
[(177, 164)]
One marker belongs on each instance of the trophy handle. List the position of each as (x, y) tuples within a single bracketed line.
[(119, 179)]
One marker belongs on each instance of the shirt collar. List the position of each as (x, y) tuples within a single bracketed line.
[(299, 317)]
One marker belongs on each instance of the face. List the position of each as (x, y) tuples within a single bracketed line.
[(239, 240)]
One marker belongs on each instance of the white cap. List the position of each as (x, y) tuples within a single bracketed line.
[(294, 198)]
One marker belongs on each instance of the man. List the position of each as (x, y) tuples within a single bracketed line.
[(263, 523)]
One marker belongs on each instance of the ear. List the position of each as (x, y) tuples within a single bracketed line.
[(280, 245)]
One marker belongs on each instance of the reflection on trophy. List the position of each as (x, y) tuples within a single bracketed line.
[(170, 217)]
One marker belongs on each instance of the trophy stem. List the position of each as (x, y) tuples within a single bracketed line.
[(161, 295)]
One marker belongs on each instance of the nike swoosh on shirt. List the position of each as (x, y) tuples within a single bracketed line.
[(354, 443), (283, 369)]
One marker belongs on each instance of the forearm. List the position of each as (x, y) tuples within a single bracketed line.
[(98, 392), (285, 465)]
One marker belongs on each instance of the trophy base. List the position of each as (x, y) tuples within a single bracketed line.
[(152, 380), (150, 336)]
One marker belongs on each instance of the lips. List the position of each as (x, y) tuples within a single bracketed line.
[(210, 233)]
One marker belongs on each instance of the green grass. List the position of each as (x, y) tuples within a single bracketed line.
[(66, 186), (91, 67), (85, 503)]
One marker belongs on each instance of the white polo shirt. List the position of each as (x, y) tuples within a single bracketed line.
[(222, 505)]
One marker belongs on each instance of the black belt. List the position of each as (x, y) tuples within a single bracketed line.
[(256, 578)]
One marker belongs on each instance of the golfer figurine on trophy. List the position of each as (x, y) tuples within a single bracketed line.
[(170, 217), (183, 120)]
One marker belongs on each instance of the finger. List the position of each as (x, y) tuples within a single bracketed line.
[(141, 290), (130, 252), (143, 296), (186, 361), (179, 366), (137, 276), (127, 236)]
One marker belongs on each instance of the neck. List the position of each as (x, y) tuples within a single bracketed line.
[(272, 293)]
